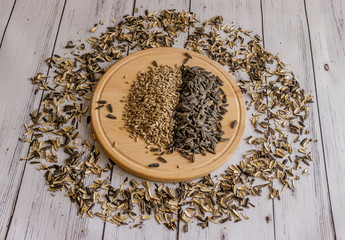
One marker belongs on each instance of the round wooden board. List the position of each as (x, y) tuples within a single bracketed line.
[(133, 156)]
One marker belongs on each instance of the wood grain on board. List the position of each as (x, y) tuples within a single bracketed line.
[(29, 38), (133, 156)]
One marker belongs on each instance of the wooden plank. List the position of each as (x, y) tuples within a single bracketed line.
[(305, 213), (245, 14), (326, 26), (38, 215), (151, 229), (5, 13), (30, 36)]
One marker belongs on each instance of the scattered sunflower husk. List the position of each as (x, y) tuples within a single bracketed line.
[(281, 109)]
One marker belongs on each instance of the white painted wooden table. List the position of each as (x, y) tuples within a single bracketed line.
[(307, 34)]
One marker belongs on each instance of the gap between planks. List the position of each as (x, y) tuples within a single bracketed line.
[(263, 44), (8, 21)]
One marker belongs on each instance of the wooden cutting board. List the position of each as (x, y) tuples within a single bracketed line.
[(133, 156)]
